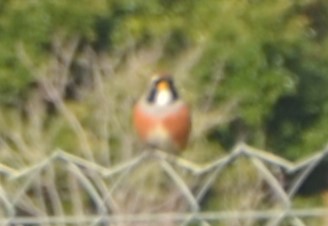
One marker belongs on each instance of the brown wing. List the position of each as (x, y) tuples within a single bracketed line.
[(179, 125), (143, 122)]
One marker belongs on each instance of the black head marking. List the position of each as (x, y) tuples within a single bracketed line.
[(153, 88)]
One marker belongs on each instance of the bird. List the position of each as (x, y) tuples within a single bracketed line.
[(161, 118)]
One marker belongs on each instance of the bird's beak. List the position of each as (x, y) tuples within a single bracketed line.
[(163, 85)]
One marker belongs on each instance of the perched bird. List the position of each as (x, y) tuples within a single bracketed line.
[(161, 119)]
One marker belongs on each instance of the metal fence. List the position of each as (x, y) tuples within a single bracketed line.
[(67, 190)]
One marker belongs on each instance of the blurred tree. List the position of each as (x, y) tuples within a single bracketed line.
[(268, 57)]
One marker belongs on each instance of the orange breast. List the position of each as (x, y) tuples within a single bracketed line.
[(176, 124)]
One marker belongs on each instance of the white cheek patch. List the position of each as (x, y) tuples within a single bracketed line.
[(163, 98)]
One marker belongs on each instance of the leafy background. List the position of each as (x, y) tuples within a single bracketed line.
[(253, 71)]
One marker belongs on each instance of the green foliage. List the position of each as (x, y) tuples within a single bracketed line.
[(254, 70), (270, 56), (30, 27)]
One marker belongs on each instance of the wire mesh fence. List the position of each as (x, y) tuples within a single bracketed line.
[(156, 188)]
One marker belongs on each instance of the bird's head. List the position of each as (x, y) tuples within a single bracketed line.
[(162, 90)]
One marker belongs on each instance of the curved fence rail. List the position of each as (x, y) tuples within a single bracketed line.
[(156, 188)]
